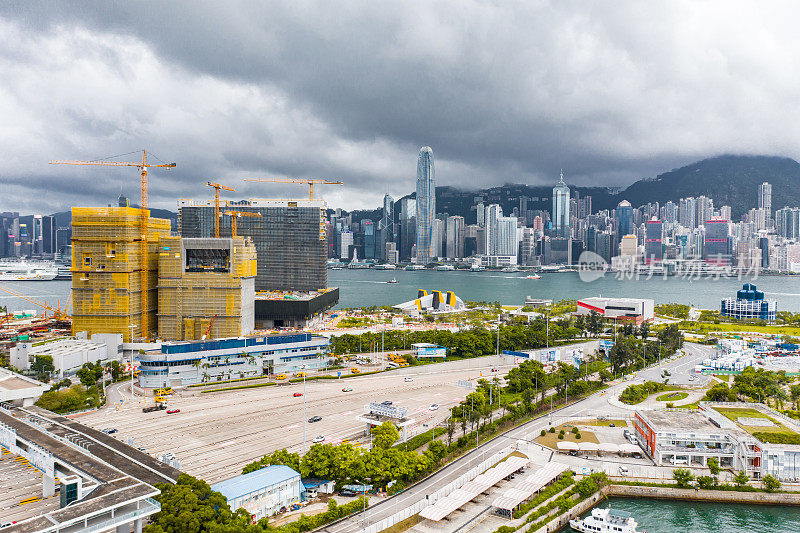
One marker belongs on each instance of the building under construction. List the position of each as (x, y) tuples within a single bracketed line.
[(206, 288), (289, 237), (115, 271)]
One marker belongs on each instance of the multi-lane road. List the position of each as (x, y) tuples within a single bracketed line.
[(216, 434)]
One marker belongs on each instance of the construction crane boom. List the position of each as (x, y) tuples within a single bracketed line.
[(305, 181), (144, 326), (235, 216), (142, 166), (217, 188), (57, 312)]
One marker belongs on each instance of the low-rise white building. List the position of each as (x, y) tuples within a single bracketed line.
[(681, 437), (636, 310), (262, 493), (69, 354)]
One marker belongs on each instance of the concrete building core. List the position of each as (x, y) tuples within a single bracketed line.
[(206, 287)]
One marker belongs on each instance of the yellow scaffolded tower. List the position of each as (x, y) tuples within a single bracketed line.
[(206, 287), (114, 270)]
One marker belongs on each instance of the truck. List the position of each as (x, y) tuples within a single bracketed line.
[(160, 405)]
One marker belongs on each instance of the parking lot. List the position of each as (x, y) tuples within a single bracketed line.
[(214, 435), (21, 490)]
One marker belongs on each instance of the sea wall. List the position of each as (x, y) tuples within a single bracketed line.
[(717, 496), (560, 521)]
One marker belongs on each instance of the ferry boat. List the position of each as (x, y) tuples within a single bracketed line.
[(415, 267), (510, 269), (476, 268), (605, 520), (445, 268), (64, 272), (534, 276), (20, 271), (385, 266)]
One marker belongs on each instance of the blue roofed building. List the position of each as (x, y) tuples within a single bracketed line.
[(262, 493), (749, 304)]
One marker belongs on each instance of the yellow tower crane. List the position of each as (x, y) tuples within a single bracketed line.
[(142, 166), (305, 181), (235, 215), (217, 188)]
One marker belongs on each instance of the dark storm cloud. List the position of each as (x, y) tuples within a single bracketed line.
[(502, 92)]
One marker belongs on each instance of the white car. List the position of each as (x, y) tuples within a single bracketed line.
[(433, 407), (318, 439), (409, 379)]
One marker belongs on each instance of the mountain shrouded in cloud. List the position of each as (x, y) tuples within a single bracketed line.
[(508, 92)]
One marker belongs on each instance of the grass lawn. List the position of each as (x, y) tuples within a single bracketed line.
[(551, 439), (779, 430), (672, 396), (703, 327), (724, 377), (408, 523)]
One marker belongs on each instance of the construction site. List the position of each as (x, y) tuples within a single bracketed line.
[(206, 288)]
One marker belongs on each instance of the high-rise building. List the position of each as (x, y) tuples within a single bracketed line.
[(369, 239), (493, 213), (717, 243), (438, 238), (346, 240), (765, 198), (705, 209), (506, 243), (624, 218), (455, 237), (426, 206), (687, 212), (407, 230), (670, 213), (481, 214), (561, 208), (386, 231), (654, 234), (113, 289), (289, 237)]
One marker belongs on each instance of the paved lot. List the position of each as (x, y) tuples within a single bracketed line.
[(20, 482), (216, 434)]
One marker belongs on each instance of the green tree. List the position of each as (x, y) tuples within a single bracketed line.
[(713, 466), (770, 484), (741, 479), (190, 506), (683, 477), (42, 364), (385, 435), (278, 457), (705, 482)]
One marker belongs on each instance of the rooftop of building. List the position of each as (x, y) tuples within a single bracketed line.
[(11, 381), (233, 342), (604, 299), (678, 419), (255, 481), (292, 295), (258, 202), (65, 346)]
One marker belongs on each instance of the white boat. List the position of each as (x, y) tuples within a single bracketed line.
[(510, 269), (21, 271), (385, 266), (445, 268), (605, 520), (393, 280), (535, 276), (476, 268)]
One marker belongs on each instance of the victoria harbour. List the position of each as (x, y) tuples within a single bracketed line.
[(665, 516)]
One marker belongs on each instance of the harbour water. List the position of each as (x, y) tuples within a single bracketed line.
[(664, 516), (368, 287)]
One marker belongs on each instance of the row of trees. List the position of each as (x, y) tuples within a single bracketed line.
[(474, 342), (683, 478), (757, 385), (630, 353)]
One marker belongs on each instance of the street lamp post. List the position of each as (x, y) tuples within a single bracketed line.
[(303, 367), (132, 326)]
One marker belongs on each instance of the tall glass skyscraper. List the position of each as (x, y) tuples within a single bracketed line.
[(624, 216), (561, 208), (426, 206)]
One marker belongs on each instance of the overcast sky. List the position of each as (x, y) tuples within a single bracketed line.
[(502, 92)]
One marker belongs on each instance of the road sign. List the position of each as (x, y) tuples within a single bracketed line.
[(464, 384), (389, 411)]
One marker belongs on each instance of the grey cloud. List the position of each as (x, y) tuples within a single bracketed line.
[(501, 91)]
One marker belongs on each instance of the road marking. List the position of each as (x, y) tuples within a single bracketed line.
[(228, 443)]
